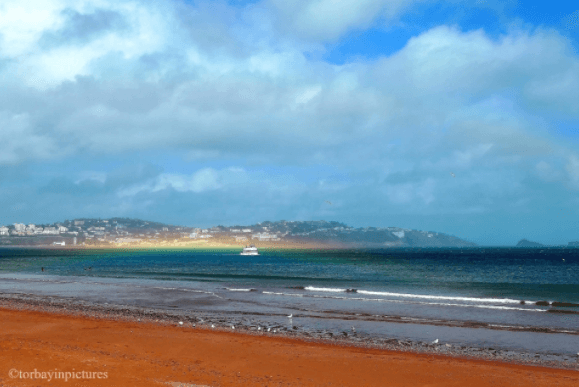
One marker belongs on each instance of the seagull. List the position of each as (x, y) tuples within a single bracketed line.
[(452, 174), (180, 322), (259, 328), (291, 315), (435, 341), (353, 329), (268, 329), (232, 327), (212, 325)]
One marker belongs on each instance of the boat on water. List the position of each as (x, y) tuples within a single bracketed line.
[(249, 250)]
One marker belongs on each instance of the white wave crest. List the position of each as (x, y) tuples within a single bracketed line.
[(420, 296), (333, 290)]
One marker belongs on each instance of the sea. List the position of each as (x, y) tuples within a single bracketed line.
[(511, 298)]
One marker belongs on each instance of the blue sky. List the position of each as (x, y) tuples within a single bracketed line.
[(213, 112)]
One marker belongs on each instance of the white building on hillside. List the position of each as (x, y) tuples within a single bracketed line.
[(4, 230), (20, 227), (265, 237), (50, 231)]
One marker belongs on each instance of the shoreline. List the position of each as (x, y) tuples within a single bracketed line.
[(217, 243), (141, 353), (222, 322), (234, 248)]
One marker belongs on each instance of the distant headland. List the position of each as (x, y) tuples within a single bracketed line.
[(137, 233), (127, 232)]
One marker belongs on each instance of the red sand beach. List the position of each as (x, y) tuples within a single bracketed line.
[(125, 353)]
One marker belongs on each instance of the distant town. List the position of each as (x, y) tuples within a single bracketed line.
[(121, 231), (126, 232), (135, 232)]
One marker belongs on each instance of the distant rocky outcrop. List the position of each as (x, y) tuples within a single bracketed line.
[(528, 243)]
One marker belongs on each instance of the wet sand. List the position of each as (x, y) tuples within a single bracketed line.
[(138, 353)]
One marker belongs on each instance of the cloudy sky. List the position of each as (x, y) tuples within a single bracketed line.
[(452, 116)]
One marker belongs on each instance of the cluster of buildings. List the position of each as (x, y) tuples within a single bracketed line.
[(240, 234), (20, 229), (122, 231)]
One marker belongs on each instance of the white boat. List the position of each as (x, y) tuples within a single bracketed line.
[(249, 250)]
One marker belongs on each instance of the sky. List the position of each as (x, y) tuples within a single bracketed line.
[(458, 117)]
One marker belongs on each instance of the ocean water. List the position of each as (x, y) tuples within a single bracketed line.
[(390, 291)]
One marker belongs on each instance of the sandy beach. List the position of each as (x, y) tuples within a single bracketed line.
[(105, 352)]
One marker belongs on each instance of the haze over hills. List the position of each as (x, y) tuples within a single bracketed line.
[(134, 231)]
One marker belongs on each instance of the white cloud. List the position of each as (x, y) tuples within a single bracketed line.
[(206, 179), (445, 66), (23, 27), (329, 19), (308, 94)]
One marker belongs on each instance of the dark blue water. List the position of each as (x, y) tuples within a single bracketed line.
[(531, 280), (520, 274), (521, 290)]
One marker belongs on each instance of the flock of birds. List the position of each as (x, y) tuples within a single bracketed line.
[(290, 317)]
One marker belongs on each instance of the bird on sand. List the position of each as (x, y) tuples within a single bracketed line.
[(212, 325), (353, 329), (435, 341)]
